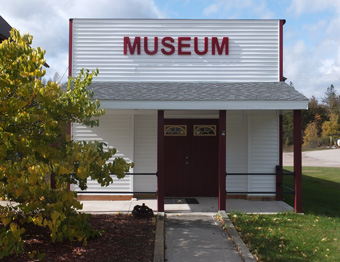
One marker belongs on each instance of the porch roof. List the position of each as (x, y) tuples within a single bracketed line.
[(198, 95)]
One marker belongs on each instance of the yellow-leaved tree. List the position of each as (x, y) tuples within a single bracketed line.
[(33, 147), (311, 134), (332, 126)]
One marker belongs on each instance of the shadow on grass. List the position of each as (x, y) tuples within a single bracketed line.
[(319, 196)]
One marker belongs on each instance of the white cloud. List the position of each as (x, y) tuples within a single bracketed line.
[(212, 9), (48, 21), (310, 70), (299, 7), (316, 67), (237, 9)]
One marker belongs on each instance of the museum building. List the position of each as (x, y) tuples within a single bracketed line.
[(197, 105)]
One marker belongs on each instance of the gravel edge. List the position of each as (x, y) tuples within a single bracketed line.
[(241, 248), (158, 255)]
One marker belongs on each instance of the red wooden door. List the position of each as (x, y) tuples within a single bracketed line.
[(191, 157)]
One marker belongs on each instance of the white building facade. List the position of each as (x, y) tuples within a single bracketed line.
[(197, 102)]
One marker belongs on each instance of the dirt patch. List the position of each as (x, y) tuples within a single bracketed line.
[(125, 239)]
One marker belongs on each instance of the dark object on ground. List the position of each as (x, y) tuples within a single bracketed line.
[(191, 201), (125, 239), (142, 211)]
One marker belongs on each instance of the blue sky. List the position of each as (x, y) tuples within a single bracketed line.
[(311, 33)]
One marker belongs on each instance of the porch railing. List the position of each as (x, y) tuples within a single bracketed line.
[(279, 185), (123, 192)]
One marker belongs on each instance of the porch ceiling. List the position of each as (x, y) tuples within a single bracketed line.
[(199, 95)]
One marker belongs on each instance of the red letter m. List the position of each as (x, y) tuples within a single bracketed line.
[(132, 48), (224, 45)]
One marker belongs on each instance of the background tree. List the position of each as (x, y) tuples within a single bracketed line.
[(314, 108), (319, 117), (331, 127), (311, 133), (288, 129), (33, 146), (56, 78), (332, 101), (316, 113)]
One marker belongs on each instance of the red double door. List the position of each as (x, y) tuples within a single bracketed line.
[(191, 157)]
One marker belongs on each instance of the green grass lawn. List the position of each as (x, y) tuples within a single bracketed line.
[(314, 236)]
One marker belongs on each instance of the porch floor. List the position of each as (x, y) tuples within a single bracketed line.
[(179, 205)]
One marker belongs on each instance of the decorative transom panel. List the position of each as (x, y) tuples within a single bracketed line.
[(175, 130), (204, 130)]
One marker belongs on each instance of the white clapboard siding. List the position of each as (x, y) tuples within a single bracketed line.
[(253, 50), (236, 151), (145, 152), (117, 132), (263, 146)]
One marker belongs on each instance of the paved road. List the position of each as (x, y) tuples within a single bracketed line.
[(322, 158)]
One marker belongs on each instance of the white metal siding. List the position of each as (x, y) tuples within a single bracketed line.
[(253, 50), (236, 151), (263, 150), (145, 152), (117, 132)]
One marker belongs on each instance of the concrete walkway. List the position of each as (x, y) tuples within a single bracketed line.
[(197, 237)]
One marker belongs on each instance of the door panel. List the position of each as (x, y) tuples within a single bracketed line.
[(176, 149), (191, 160), (204, 159)]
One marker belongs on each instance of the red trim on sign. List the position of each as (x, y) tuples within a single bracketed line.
[(70, 47), (282, 22), (160, 162), (297, 162), (222, 161)]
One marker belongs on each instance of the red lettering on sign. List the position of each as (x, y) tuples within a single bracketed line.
[(182, 45), (165, 43), (224, 45), (132, 48), (155, 49), (205, 46)]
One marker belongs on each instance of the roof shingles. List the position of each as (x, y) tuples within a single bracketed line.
[(195, 91)]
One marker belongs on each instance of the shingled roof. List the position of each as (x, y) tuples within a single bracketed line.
[(192, 91), (5, 28)]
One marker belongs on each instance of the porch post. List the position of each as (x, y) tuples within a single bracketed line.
[(222, 161), (279, 178), (70, 50), (160, 162), (297, 162)]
